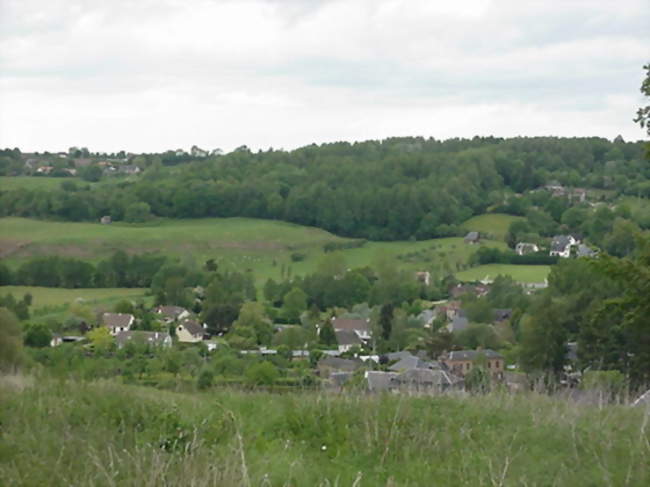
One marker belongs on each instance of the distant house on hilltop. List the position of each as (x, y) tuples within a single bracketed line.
[(523, 248), (585, 251), (472, 238)]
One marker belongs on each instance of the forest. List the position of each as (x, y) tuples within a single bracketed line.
[(393, 189)]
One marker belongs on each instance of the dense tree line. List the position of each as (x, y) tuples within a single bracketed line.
[(382, 190), (119, 270), (602, 304)]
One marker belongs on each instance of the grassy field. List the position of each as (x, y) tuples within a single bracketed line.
[(495, 224), (264, 246), (61, 433), (47, 296), (521, 273), (34, 182)]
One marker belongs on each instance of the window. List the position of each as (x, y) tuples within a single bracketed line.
[(489, 364)]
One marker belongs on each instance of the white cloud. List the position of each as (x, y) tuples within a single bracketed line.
[(150, 75)]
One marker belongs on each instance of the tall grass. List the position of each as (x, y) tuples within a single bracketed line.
[(104, 433)]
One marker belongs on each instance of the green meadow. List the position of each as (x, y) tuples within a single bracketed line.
[(43, 297), (264, 246), (521, 273), (34, 182), (62, 432), (493, 224)]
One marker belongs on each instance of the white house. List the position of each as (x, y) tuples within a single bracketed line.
[(117, 322), (523, 248), (360, 327), (561, 245), (189, 331)]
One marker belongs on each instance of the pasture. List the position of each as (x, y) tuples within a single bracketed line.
[(8, 183), (521, 273), (264, 246), (45, 297), (493, 224)]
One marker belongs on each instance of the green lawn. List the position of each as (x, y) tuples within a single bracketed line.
[(495, 224), (264, 246), (521, 273), (34, 182), (47, 296)]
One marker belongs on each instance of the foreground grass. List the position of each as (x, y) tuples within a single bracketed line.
[(521, 273), (65, 433), (50, 296)]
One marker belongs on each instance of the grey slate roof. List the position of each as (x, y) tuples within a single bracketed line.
[(155, 338), (398, 355), (193, 327), (459, 323), (560, 242), (472, 237), (379, 381), (347, 337), (170, 311), (473, 354), (502, 314), (339, 364), (117, 320), (584, 251), (412, 362), (350, 324)]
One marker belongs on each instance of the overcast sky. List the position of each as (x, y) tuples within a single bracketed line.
[(150, 75)]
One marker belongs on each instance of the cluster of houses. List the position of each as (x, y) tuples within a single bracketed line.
[(404, 370), (408, 372)]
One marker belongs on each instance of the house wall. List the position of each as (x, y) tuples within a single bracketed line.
[(185, 336), (463, 367)]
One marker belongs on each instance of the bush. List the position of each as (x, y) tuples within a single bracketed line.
[(298, 256), (37, 335), (262, 374), (205, 379)]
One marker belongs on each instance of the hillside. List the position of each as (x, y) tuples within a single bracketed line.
[(254, 438), (262, 245)]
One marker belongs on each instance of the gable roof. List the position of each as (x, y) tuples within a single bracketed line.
[(410, 363), (193, 327), (398, 355), (502, 314), (424, 377), (170, 311), (347, 337), (459, 323), (560, 243), (117, 320), (340, 363), (473, 354), (142, 337), (379, 381), (350, 324), (472, 236)]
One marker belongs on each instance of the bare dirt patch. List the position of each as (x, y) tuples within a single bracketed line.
[(10, 247)]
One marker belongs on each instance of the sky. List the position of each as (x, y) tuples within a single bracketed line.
[(153, 75)]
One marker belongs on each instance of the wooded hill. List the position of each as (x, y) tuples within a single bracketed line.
[(394, 189)]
